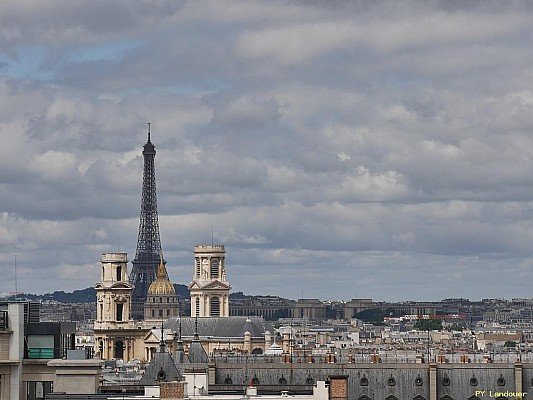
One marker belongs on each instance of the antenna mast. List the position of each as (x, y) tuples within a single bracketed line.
[(16, 286)]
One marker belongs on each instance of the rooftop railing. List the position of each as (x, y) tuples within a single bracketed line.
[(457, 358)]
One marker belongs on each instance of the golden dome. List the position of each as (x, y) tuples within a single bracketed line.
[(162, 285)]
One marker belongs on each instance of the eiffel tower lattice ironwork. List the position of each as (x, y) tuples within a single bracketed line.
[(149, 253)]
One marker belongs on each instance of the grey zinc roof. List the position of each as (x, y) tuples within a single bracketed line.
[(197, 354), (222, 327), (160, 368), (179, 355)]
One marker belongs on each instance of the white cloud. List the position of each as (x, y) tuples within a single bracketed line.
[(54, 165)]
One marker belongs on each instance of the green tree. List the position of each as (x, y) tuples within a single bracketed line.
[(374, 315), (429, 325)]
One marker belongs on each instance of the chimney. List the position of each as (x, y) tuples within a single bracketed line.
[(338, 387)]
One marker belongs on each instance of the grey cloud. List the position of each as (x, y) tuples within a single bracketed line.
[(390, 142), (58, 22)]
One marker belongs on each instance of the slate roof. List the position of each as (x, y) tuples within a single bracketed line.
[(160, 369), (197, 354), (219, 327), (179, 355)]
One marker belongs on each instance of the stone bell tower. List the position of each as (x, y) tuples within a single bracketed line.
[(210, 287), (113, 292), (114, 333)]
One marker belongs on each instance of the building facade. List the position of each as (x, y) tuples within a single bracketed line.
[(26, 348)]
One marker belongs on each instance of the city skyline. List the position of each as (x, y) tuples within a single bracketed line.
[(336, 149)]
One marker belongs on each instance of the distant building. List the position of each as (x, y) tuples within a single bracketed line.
[(210, 287), (312, 309), (355, 306), (269, 307), (161, 301)]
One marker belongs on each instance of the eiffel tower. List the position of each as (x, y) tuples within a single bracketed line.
[(149, 253)]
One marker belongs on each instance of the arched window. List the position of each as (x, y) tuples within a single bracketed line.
[(215, 307), (119, 273)]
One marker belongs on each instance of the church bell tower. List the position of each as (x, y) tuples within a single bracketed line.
[(210, 287), (113, 292)]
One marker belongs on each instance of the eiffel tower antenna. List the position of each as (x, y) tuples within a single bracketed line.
[(149, 253)]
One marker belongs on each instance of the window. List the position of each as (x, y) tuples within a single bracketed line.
[(120, 310), (119, 349), (197, 273), (119, 273), (41, 346), (197, 306), (160, 313), (38, 390), (214, 268), (215, 307)]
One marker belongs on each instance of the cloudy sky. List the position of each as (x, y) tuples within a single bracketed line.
[(337, 149)]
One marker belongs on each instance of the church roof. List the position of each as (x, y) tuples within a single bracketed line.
[(221, 327)]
